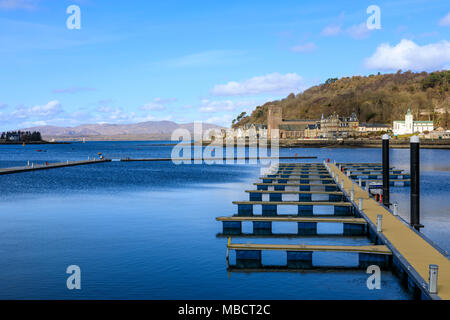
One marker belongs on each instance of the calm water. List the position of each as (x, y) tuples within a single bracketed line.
[(148, 230)]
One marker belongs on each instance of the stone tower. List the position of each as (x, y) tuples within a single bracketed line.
[(274, 118)]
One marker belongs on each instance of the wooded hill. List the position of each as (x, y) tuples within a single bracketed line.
[(378, 98)]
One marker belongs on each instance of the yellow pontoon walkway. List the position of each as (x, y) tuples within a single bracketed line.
[(409, 245)]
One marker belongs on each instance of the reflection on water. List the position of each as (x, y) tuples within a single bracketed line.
[(148, 230)]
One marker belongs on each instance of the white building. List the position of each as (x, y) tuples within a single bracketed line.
[(255, 130), (409, 126), (14, 137)]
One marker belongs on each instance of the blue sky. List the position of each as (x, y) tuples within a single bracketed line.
[(187, 61)]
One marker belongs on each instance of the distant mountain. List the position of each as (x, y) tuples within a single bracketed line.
[(143, 130)]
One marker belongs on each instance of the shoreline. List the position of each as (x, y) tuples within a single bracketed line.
[(284, 144), (32, 142), (353, 144)]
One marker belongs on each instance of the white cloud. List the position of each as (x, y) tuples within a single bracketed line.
[(113, 114), (407, 55), (217, 106), (107, 109), (53, 114), (331, 30), (45, 111), (30, 124), (307, 47), (158, 104), (17, 4), (146, 118), (153, 106), (358, 31), (165, 100), (223, 121), (108, 115), (3, 105), (445, 21), (270, 83)]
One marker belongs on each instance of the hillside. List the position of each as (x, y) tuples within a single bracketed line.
[(375, 99), (149, 129)]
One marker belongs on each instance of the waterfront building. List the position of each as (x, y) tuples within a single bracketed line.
[(313, 131), (335, 126), (439, 133), (246, 131), (410, 126), (249, 129), (252, 128), (332, 127), (288, 129), (373, 127)]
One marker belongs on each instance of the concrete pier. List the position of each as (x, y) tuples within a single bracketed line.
[(35, 167)]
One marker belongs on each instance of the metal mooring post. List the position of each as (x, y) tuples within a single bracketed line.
[(386, 170), (379, 223), (415, 182), (395, 209), (433, 278)]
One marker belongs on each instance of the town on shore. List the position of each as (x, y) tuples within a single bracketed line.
[(357, 108), (336, 130)]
